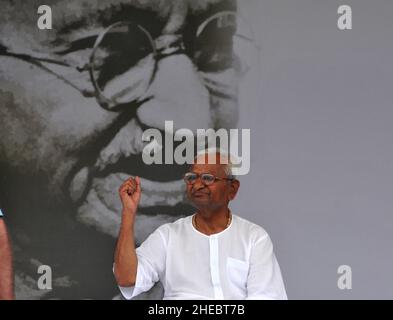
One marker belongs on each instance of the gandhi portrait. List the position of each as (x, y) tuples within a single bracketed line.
[(74, 103)]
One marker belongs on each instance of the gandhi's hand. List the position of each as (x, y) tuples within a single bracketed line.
[(130, 194)]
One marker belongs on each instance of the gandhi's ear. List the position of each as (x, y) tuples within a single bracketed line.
[(235, 185)]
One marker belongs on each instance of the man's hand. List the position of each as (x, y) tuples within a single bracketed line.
[(130, 195)]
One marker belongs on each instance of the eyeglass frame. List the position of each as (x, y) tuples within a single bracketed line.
[(101, 99), (199, 176)]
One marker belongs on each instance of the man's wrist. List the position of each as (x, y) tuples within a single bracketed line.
[(128, 217), (128, 212)]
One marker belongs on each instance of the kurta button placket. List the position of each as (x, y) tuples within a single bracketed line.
[(215, 267)]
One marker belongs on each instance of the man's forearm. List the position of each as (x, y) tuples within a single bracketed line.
[(6, 273), (126, 261)]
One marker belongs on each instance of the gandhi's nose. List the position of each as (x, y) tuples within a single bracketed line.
[(177, 94)]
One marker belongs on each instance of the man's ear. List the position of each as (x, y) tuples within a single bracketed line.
[(235, 185)]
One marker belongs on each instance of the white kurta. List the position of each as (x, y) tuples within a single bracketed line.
[(236, 263)]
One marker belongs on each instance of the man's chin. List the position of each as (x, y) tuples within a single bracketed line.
[(201, 202)]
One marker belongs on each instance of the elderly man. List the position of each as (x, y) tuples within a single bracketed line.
[(212, 254), (75, 101), (6, 274)]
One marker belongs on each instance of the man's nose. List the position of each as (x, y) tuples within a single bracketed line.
[(176, 94), (198, 184)]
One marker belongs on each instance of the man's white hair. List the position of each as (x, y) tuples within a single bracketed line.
[(226, 159)]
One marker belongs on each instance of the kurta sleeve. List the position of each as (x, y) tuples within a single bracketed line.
[(151, 264), (264, 278)]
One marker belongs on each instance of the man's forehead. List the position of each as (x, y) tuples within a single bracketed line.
[(74, 18), (79, 9), (74, 9), (77, 14), (81, 18), (69, 11), (208, 168)]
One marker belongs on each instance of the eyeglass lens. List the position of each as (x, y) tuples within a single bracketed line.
[(206, 178), (122, 66), (120, 70)]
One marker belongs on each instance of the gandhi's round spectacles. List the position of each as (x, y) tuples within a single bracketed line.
[(119, 48), (123, 59), (206, 178)]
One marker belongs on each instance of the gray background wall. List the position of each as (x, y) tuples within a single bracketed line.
[(322, 158)]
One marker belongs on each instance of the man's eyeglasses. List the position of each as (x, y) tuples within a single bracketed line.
[(206, 178), (123, 58)]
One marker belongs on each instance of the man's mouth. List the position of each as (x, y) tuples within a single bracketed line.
[(95, 188), (200, 194)]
